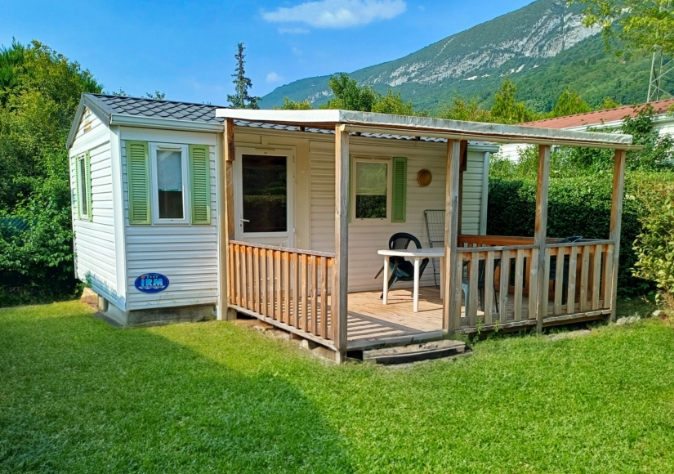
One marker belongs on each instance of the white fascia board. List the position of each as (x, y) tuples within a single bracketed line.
[(166, 124), (403, 124), (283, 116)]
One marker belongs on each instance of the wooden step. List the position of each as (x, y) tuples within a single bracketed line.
[(415, 352)]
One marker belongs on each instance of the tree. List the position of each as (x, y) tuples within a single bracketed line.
[(41, 92), (460, 109), (608, 103), (570, 103), (241, 99), (506, 109), (293, 105), (349, 95), (641, 24), (392, 104)]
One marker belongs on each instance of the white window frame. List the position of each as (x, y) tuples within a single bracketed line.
[(82, 197), (389, 187), (154, 186)]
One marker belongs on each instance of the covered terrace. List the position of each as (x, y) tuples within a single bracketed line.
[(511, 281)]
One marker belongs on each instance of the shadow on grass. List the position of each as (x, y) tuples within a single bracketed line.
[(77, 395)]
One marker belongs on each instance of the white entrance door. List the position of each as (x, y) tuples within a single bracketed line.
[(264, 187)]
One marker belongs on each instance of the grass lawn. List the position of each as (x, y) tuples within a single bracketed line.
[(77, 395)]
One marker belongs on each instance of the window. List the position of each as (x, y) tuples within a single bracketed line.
[(168, 183), (265, 193), (371, 189), (83, 186), (169, 173)]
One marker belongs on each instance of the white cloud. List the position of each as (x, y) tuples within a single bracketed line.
[(337, 13), (273, 77), (293, 31)]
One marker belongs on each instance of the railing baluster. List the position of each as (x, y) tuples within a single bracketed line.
[(286, 288), (256, 279), (596, 276), (295, 289), (503, 290), (519, 277), (533, 283), (263, 282), (559, 279), (546, 286), (584, 286), (278, 289), (249, 273), (573, 270), (244, 277), (488, 287), (473, 276), (324, 297), (457, 288), (314, 295), (303, 287), (237, 252)]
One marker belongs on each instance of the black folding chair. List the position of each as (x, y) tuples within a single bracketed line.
[(401, 269)]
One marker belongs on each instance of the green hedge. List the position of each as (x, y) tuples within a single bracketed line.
[(577, 206)]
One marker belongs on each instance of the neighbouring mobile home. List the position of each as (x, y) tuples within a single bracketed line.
[(189, 211)]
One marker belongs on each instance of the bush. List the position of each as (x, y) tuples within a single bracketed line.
[(36, 257), (654, 245)]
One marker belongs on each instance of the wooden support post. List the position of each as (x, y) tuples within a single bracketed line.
[(540, 233), (451, 318), (225, 220), (340, 293), (616, 221)]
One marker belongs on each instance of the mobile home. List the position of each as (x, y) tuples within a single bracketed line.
[(184, 211)]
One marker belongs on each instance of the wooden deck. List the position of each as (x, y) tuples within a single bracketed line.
[(372, 323)]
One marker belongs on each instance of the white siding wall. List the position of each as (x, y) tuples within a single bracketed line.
[(186, 254), (96, 261), (366, 237), (473, 185)]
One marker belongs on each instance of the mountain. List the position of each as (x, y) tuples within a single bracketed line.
[(543, 47)]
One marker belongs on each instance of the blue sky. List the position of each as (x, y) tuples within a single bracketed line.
[(186, 48)]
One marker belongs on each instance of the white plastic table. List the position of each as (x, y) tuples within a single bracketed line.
[(417, 255)]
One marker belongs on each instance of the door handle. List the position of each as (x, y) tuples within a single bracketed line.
[(244, 220)]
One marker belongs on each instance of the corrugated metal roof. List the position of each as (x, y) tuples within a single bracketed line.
[(599, 117)]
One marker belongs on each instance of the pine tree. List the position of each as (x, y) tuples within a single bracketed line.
[(241, 99)]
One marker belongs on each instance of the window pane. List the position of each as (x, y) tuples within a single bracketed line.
[(170, 184), (371, 182), (265, 193), (84, 199)]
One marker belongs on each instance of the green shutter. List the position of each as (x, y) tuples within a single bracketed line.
[(78, 197), (200, 184), (399, 194), (87, 177), (138, 174)]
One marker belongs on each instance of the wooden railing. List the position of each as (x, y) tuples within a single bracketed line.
[(286, 287), (579, 281)]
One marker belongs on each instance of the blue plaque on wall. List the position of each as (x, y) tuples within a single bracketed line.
[(152, 283)]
